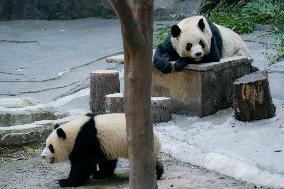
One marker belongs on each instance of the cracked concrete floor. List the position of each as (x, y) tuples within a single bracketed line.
[(50, 59)]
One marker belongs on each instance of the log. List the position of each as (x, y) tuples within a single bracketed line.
[(102, 82), (161, 108), (251, 97), (114, 103)]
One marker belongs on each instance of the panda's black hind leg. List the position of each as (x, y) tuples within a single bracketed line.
[(159, 169), (106, 169)]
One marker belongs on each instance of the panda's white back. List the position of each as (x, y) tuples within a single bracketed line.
[(233, 44), (111, 130), (112, 134)]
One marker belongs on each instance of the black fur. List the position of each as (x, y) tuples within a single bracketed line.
[(85, 157), (106, 167), (175, 31), (201, 24), (216, 46), (51, 149), (87, 153), (61, 134), (165, 53), (56, 126), (253, 69), (91, 115)]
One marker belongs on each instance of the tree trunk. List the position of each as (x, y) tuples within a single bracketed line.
[(137, 33), (252, 99), (102, 82)]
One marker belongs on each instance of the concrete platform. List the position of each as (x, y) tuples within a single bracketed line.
[(201, 89)]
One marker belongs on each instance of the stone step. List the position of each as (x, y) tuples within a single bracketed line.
[(18, 111)]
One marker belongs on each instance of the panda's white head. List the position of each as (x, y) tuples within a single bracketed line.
[(60, 142), (55, 149), (192, 37)]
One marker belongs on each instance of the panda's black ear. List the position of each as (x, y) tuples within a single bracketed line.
[(175, 31), (201, 24), (61, 133), (56, 126)]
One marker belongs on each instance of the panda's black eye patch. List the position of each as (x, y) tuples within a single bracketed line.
[(188, 46), (50, 147), (201, 43)]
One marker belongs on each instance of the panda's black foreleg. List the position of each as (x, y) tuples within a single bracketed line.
[(181, 63), (79, 174), (106, 169)]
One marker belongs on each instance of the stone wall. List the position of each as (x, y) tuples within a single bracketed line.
[(71, 9)]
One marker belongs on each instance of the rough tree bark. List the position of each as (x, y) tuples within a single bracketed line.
[(252, 99), (137, 32)]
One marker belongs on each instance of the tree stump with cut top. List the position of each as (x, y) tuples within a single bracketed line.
[(252, 99), (161, 108), (114, 103), (102, 82)]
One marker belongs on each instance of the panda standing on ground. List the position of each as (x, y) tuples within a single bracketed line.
[(90, 141), (195, 40)]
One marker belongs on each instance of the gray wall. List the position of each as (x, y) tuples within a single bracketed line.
[(71, 9)]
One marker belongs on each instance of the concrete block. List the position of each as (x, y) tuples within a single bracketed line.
[(116, 59), (201, 89)]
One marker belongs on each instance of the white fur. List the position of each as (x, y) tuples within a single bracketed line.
[(112, 135), (233, 44), (190, 32), (62, 147), (111, 132)]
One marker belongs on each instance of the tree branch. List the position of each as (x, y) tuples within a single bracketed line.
[(129, 25)]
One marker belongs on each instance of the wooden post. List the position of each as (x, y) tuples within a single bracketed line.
[(252, 99), (102, 82), (114, 103), (161, 109), (136, 18)]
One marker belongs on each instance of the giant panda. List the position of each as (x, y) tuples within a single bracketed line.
[(196, 40), (89, 141)]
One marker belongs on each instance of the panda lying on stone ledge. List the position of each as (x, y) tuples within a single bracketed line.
[(89, 141), (195, 40)]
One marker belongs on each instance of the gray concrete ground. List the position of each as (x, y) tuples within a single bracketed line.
[(24, 169), (50, 59)]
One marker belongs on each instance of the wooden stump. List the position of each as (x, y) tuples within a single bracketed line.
[(114, 103), (161, 109), (252, 99), (102, 82)]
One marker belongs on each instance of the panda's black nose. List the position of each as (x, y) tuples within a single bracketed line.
[(198, 54)]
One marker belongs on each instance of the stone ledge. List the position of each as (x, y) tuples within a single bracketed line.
[(18, 111), (29, 133)]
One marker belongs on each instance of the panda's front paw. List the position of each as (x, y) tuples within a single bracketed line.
[(64, 183), (167, 68), (163, 65), (180, 64)]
